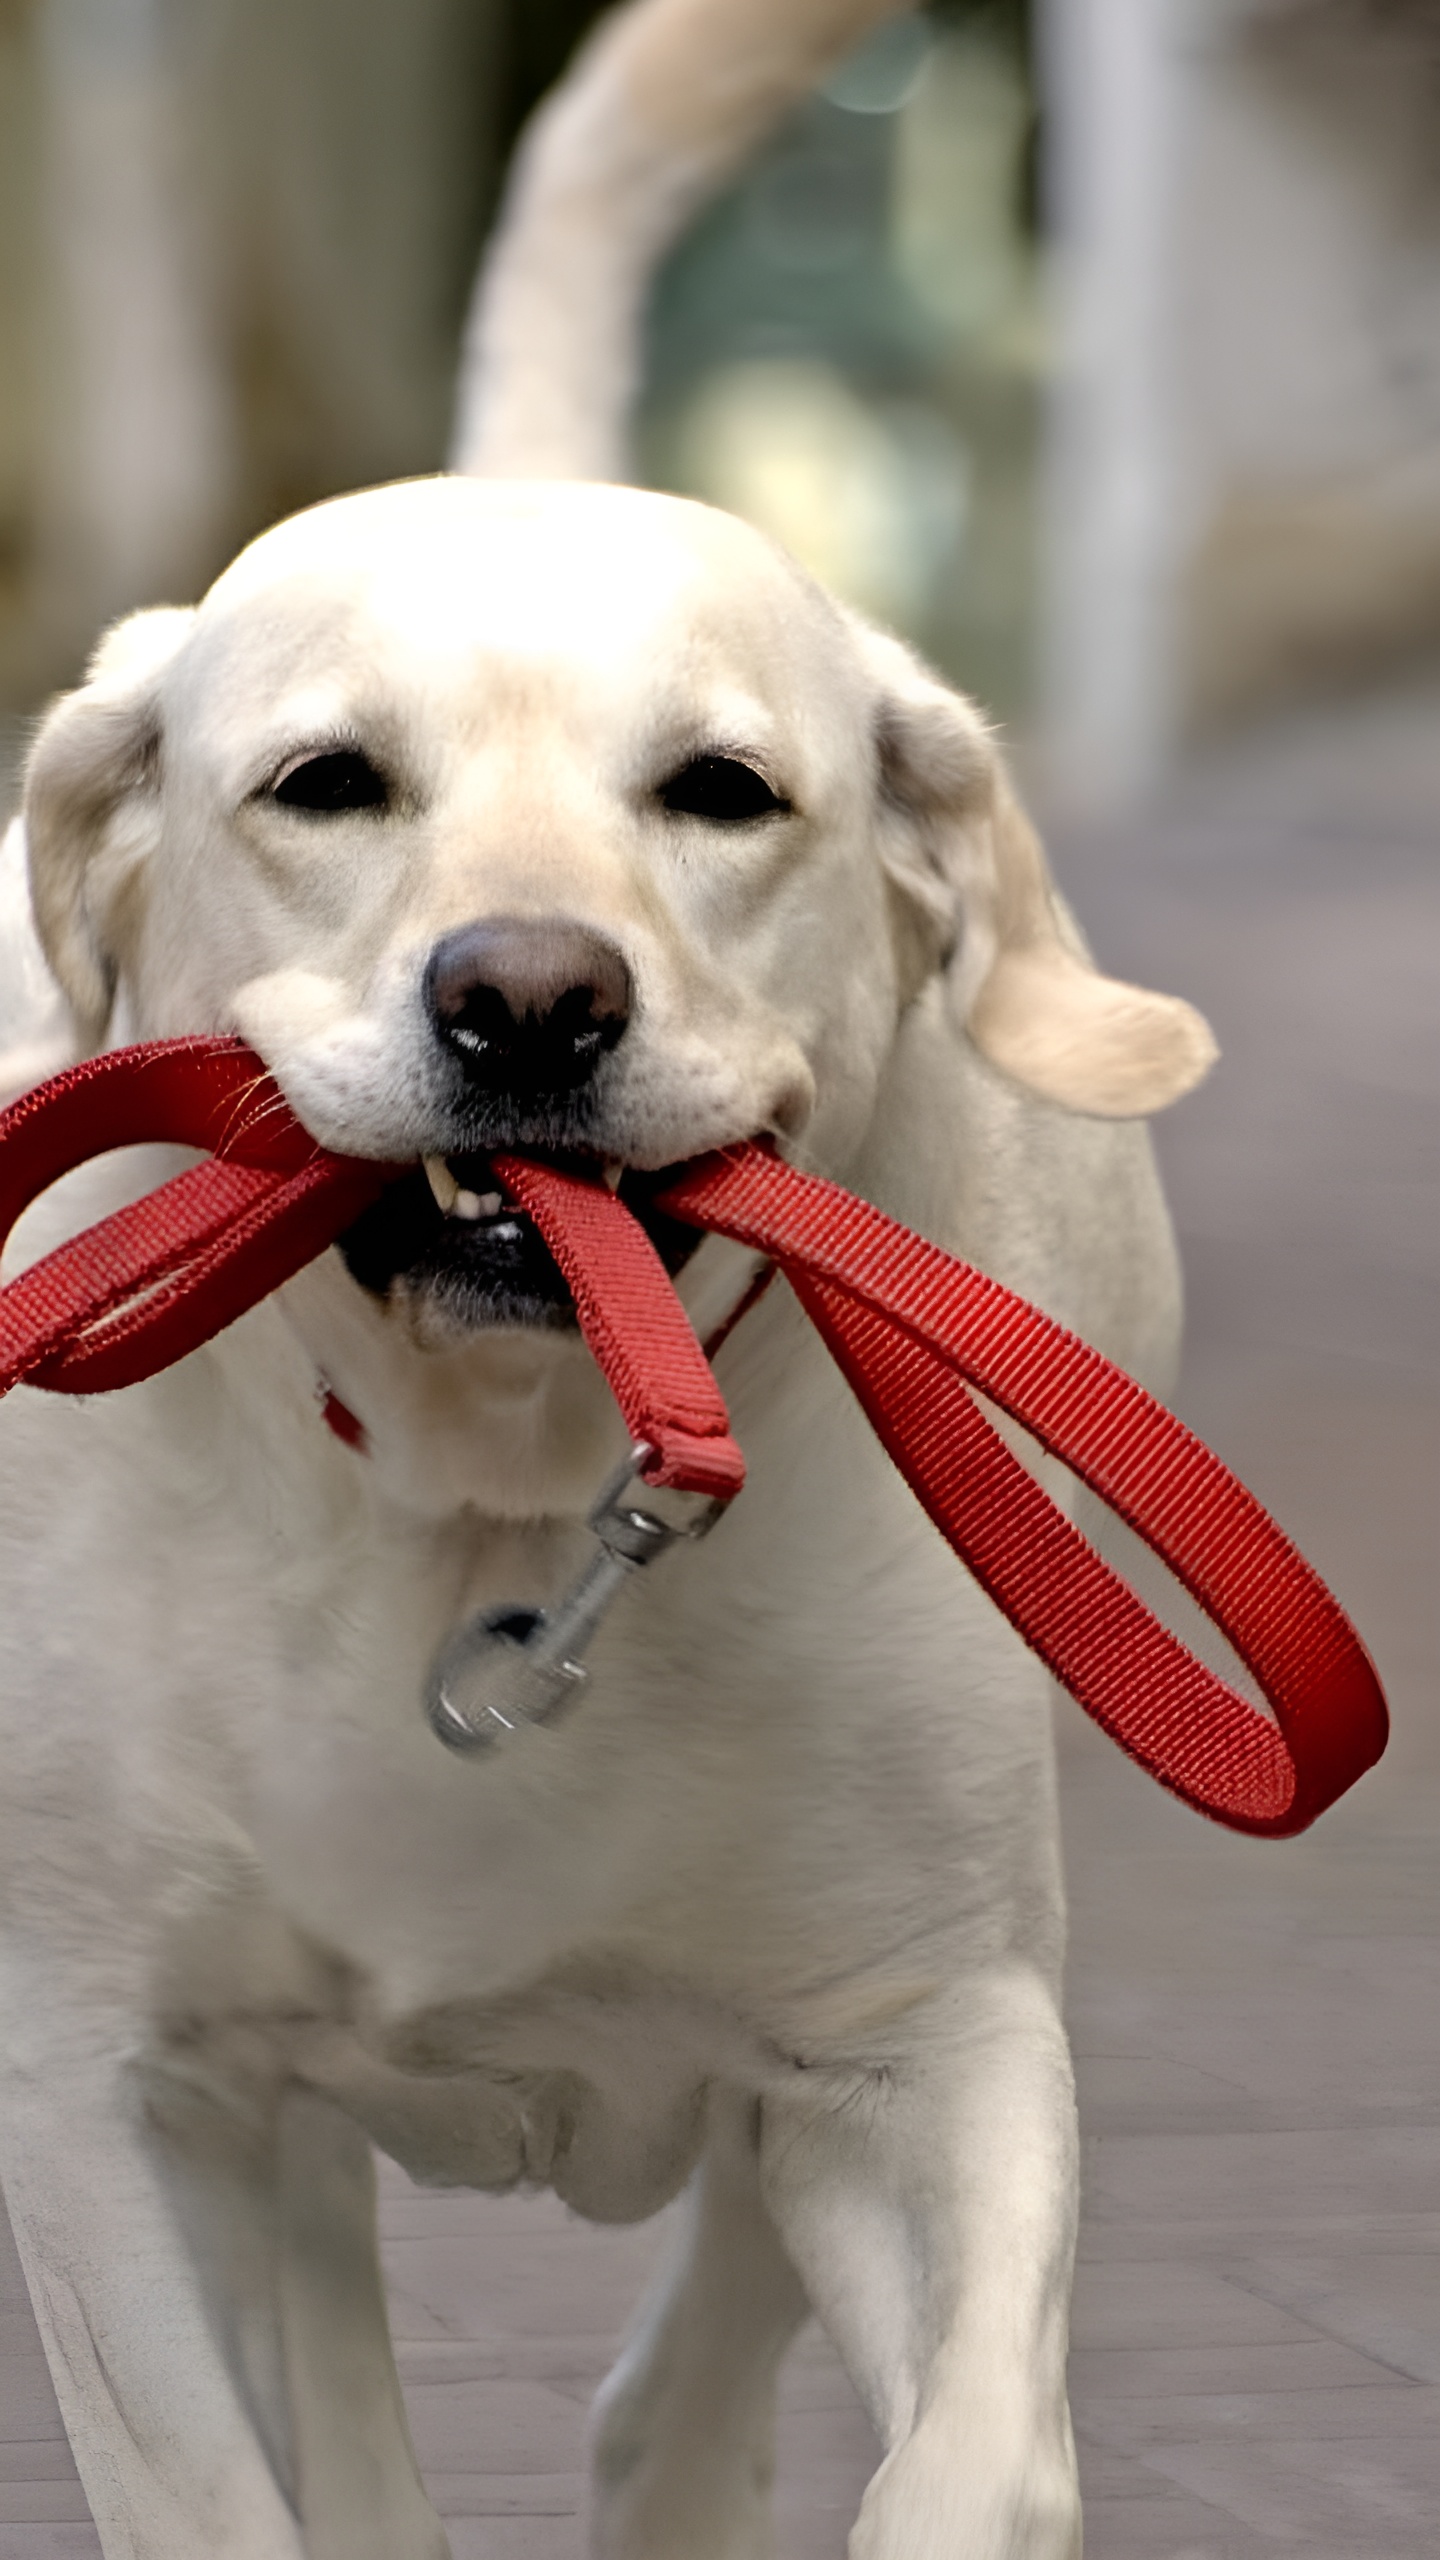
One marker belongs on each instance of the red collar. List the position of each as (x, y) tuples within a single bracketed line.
[(346, 1425)]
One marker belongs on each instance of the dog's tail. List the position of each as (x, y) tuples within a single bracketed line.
[(661, 104)]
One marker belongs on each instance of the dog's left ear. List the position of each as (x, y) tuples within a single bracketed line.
[(972, 890), (92, 808)]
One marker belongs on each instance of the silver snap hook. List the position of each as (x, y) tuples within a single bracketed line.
[(508, 1666)]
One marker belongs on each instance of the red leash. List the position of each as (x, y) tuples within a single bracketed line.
[(912, 1328)]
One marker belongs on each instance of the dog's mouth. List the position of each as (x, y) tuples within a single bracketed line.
[(446, 1236)]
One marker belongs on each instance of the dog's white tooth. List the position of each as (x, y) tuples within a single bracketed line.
[(488, 1204), (613, 1170), (469, 1205), (442, 1182)]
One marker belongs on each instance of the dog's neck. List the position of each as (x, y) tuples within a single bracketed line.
[(509, 1424)]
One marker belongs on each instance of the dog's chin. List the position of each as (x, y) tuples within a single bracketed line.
[(482, 1263)]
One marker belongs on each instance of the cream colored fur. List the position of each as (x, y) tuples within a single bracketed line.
[(778, 1911)]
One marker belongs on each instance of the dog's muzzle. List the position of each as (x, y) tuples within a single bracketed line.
[(523, 1013)]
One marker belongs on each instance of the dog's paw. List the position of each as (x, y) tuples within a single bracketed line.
[(938, 2498)]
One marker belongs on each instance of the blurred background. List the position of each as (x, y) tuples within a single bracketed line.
[(1096, 345)]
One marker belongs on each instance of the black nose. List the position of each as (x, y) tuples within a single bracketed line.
[(527, 1006)]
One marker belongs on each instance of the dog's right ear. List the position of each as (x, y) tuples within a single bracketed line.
[(92, 808)]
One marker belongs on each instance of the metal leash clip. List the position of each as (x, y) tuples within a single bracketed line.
[(509, 1667)]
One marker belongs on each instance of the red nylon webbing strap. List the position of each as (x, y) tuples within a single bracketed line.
[(909, 1325), (635, 1325), (160, 1277)]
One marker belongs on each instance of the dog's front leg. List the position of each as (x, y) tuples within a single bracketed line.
[(202, 2269), (149, 2250), (356, 2476), (685, 2432), (930, 2208)]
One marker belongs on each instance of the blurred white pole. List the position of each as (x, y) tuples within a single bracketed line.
[(1113, 503), (138, 463)]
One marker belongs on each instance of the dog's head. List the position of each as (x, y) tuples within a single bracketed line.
[(559, 817)]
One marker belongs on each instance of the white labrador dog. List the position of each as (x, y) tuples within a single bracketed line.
[(572, 817)]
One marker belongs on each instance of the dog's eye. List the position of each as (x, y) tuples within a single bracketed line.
[(722, 789), (343, 779)]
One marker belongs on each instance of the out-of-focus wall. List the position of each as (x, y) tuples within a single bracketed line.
[(1245, 492), (1311, 246)]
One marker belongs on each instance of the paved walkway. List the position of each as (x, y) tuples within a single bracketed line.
[(1257, 2331)]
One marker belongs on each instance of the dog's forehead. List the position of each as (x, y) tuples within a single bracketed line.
[(442, 577)]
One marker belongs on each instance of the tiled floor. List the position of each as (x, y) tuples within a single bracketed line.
[(1257, 2330)]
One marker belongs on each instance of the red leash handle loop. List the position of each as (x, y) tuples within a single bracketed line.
[(912, 1328), (151, 1283)]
